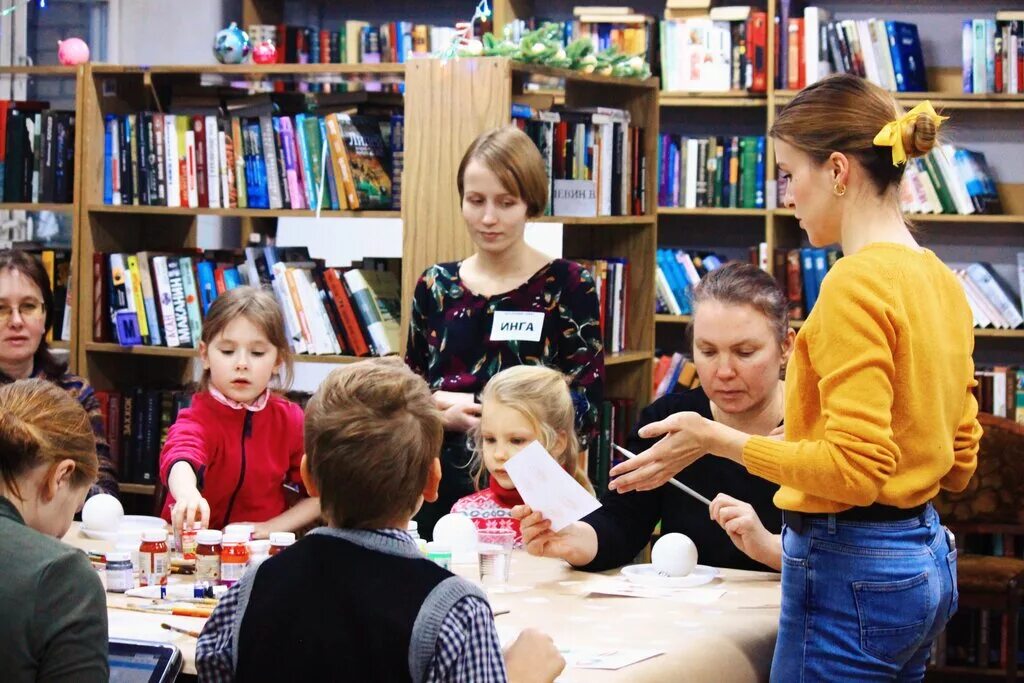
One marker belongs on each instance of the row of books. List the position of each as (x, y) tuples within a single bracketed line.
[(672, 373), (949, 180), (611, 280), (352, 42), (721, 171), (702, 54), (1000, 391), (619, 27), (678, 272), (978, 638), (594, 159), (58, 266), (799, 274), (159, 299), (264, 162), (136, 423), (616, 416), (37, 153), (993, 302), (993, 54), (887, 53)]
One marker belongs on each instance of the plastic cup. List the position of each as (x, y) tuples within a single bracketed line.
[(495, 547)]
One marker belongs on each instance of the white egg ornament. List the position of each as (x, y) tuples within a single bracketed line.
[(102, 512), (674, 555), (456, 531)]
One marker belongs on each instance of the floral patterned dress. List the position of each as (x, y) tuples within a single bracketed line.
[(450, 333), (451, 346)]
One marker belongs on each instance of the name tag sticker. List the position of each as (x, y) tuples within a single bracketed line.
[(517, 326)]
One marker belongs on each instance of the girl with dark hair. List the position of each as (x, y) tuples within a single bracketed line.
[(26, 315)]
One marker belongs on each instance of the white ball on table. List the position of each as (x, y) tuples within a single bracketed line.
[(674, 555), (102, 512)]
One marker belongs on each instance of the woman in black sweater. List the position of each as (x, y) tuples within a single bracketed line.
[(741, 340)]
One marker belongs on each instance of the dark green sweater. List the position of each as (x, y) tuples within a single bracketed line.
[(54, 625)]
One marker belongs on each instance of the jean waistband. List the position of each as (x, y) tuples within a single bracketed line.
[(876, 512)]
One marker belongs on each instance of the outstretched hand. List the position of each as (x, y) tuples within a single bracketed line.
[(682, 443)]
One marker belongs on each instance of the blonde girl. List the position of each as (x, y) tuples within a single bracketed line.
[(520, 405), (234, 455)]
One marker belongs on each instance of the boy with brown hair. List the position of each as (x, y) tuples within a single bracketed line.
[(356, 600)]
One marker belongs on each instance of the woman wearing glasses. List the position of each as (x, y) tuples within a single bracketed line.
[(26, 314)]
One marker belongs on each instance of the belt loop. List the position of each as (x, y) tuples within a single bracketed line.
[(831, 525)]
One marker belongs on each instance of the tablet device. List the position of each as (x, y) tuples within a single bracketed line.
[(139, 661)]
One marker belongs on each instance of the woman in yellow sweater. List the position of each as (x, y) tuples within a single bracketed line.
[(879, 410)]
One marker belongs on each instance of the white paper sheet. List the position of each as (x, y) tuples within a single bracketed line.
[(549, 489), (595, 658), (627, 589)]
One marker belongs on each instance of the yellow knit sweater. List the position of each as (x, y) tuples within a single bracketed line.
[(878, 390)]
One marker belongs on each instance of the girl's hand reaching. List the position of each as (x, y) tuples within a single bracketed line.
[(187, 510), (740, 521), (576, 543)]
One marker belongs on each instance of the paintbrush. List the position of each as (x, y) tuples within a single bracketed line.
[(194, 634), (682, 487)]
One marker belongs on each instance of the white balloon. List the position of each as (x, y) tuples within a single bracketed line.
[(102, 512), (674, 555)]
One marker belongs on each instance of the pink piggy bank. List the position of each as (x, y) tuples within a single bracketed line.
[(72, 51), (265, 53)]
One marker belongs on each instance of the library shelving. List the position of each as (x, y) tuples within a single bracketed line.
[(447, 106), (106, 90), (23, 78), (777, 227)]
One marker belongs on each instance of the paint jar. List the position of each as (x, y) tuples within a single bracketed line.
[(279, 540), (188, 541), (414, 530), (259, 551), (128, 541), (439, 553), (234, 558), (208, 555), (154, 558), (120, 576), (249, 530)]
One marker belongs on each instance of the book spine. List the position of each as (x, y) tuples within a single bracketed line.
[(163, 292), (180, 310), (269, 156)]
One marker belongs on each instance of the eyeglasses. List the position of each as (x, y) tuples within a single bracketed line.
[(28, 310)]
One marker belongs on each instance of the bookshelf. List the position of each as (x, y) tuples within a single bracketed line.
[(12, 76), (109, 89), (777, 227), (447, 106)]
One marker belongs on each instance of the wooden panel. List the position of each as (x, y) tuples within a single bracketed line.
[(262, 12), (446, 107)]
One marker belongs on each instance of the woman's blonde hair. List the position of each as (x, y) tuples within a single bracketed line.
[(541, 395), (259, 307), (40, 424), (843, 113)]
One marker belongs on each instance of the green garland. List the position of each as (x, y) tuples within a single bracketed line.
[(544, 46)]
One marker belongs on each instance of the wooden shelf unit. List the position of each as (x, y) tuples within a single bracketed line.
[(447, 106), (78, 73)]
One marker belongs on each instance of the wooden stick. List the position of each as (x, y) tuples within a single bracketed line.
[(194, 634), (682, 487)]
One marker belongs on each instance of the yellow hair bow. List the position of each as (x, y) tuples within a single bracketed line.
[(891, 134)]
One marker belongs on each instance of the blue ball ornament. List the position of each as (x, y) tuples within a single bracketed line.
[(231, 45)]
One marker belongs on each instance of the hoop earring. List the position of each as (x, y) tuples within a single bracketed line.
[(839, 189)]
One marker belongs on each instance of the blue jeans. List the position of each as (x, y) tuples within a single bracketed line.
[(863, 601)]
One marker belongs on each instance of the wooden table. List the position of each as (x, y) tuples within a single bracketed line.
[(730, 640)]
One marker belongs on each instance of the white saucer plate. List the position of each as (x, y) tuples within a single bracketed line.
[(133, 522), (647, 575)]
